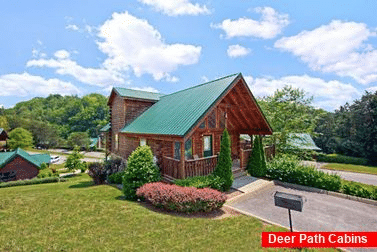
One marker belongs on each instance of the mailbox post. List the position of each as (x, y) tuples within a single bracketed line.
[(290, 201)]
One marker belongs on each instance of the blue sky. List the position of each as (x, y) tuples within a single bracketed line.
[(327, 48)]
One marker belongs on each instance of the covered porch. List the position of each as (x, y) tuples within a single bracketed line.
[(172, 168)]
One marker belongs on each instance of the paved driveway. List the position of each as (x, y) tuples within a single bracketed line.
[(321, 212)]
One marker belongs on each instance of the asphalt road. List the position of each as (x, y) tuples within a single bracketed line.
[(321, 212), (352, 176)]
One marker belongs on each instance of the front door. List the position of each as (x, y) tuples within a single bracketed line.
[(207, 146)]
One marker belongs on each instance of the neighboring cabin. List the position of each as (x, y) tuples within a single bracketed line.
[(184, 128), (3, 138), (18, 164), (301, 141)]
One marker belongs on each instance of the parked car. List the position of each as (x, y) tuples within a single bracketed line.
[(54, 159)]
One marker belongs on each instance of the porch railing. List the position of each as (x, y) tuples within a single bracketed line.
[(200, 166), (170, 167), (244, 158)]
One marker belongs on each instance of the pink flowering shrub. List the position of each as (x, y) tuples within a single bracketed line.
[(181, 199)]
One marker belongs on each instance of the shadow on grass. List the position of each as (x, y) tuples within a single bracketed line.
[(83, 184), (122, 198)]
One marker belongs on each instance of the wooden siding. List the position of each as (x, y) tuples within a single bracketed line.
[(135, 108), (24, 169)]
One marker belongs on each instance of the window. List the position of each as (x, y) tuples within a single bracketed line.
[(212, 120), (222, 119), (177, 150), (207, 146), (116, 142), (202, 125), (143, 141), (188, 149)]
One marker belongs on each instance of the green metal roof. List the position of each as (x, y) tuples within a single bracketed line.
[(301, 141), (93, 142), (138, 94), (36, 159), (177, 113), (1, 130), (105, 128)]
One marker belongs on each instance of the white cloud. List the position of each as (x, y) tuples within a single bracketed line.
[(72, 27), (327, 94), (204, 78), (177, 7), (269, 26), (62, 54), (25, 84), (338, 47), (235, 51), (147, 89), (372, 89), (133, 43), (93, 76)]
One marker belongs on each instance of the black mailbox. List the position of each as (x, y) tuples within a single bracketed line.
[(290, 201)]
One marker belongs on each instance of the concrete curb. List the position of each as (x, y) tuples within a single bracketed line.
[(252, 191), (321, 191)]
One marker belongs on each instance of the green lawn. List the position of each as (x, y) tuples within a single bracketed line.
[(352, 168), (77, 216)]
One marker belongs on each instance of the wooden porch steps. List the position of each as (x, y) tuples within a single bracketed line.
[(238, 172)]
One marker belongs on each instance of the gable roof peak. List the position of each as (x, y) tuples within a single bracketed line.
[(205, 83), (177, 113)]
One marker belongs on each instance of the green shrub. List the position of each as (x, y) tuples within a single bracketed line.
[(74, 160), (256, 165), (287, 168), (97, 171), (84, 167), (116, 178), (359, 189), (181, 199), (43, 166), (114, 165), (309, 155), (211, 181), (223, 169), (32, 181), (140, 170), (336, 158)]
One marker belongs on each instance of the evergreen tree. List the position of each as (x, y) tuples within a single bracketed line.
[(224, 164), (263, 158), (256, 165)]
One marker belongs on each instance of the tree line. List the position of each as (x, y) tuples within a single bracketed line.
[(350, 130), (56, 120)]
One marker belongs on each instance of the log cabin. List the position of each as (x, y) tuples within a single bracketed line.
[(184, 129)]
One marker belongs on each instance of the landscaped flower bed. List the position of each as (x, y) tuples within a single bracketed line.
[(181, 199)]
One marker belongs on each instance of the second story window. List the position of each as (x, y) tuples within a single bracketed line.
[(116, 142)]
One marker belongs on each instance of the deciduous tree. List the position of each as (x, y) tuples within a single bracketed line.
[(20, 138)]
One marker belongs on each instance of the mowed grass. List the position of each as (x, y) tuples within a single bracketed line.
[(351, 168), (77, 216)]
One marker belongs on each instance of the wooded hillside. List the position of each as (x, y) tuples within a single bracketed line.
[(51, 120)]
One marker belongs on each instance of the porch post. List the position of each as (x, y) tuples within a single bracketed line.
[(182, 174)]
